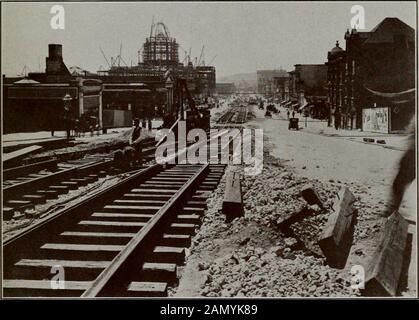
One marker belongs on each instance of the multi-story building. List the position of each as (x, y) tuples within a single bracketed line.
[(266, 80), (336, 62), (307, 88), (282, 87), (371, 83)]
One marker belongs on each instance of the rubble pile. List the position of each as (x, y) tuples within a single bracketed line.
[(255, 256), (256, 272)]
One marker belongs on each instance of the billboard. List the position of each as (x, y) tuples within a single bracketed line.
[(376, 120)]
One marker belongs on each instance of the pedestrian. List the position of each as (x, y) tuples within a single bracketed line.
[(293, 114), (288, 114), (67, 124), (406, 173), (135, 141), (337, 120), (77, 128)]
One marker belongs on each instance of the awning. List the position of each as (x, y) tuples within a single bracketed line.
[(391, 95)]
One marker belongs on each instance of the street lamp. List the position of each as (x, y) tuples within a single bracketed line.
[(67, 104)]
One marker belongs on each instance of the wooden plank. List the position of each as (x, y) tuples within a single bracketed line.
[(15, 155), (176, 240), (163, 249), (168, 254), (82, 247), (189, 218), (384, 270), (113, 223), (173, 187), (158, 182), (34, 198), (98, 234), (135, 208), (233, 201), (152, 288), (147, 202), (148, 197), (152, 266), (164, 191), (18, 203), (159, 178), (44, 284), (198, 210), (29, 169), (122, 215), (64, 263), (336, 238), (311, 196), (185, 228)]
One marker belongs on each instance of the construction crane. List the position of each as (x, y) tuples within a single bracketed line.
[(194, 118), (212, 60), (106, 59), (200, 56), (25, 71)]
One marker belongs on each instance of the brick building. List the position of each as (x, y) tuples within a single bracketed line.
[(373, 80), (36, 103), (307, 89)]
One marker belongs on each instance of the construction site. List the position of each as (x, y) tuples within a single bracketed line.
[(159, 54), (152, 180)]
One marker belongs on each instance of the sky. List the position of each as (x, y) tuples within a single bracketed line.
[(242, 36)]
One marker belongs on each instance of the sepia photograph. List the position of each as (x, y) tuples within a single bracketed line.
[(208, 150)]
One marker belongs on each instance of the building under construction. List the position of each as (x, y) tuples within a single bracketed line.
[(160, 49), (160, 53)]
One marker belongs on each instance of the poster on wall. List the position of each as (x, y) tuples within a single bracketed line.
[(375, 120)]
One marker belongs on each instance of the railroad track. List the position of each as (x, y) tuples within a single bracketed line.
[(23, 193), (26, 186), (126, 240), (236, 115)]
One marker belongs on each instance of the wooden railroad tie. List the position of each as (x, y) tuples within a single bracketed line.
[(336, 239), (233, 200), (385, 268)]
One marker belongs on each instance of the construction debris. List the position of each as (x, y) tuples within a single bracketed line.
[(336, 239), (385, 268)]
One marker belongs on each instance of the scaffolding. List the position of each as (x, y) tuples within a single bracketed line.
[(160, 48)]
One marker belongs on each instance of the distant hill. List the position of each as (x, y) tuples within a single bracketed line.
[(241, 79)]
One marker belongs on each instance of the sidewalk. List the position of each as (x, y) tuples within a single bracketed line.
[(31, 138), (315, 126)]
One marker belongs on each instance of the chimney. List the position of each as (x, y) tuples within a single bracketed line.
[(54, 62), (55, 51)]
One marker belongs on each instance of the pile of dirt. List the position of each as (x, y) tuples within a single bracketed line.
[(253, 256)]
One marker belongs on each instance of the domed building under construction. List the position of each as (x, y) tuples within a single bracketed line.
[(160, 49), (160, 53)]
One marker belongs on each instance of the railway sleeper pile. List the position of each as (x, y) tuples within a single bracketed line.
[(126, 241)]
